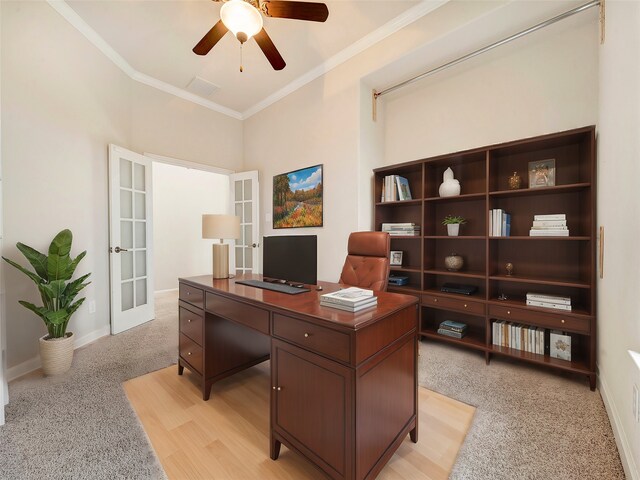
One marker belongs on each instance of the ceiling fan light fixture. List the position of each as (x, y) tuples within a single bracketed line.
[(242, 18)]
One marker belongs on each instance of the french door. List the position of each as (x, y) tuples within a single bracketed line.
[(244, 189), (131, 239)]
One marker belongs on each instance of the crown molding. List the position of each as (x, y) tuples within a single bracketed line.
[(90, 34), (389, 28)]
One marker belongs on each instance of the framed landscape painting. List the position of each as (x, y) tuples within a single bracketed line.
[(297, 198)]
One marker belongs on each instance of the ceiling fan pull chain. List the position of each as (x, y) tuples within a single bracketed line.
[(241, 69)]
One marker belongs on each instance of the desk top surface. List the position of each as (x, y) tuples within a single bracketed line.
[(307, 303)]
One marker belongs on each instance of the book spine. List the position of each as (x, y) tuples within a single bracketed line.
[(449, 333), (549, 223), (348, 303), (453, 329), (551, 217), (549, 298), (555, 306), (548, 233)]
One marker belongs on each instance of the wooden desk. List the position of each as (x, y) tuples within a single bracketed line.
[(344, 386)]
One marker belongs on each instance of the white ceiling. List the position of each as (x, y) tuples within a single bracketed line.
[(156, 37)]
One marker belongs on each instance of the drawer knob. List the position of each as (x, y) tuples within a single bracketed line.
[(306, 335), (273, 387), (189, 354), (562, 321), (189, 321), (278, 389), (188, 293), (435, 300), (465, 305), (508, 312)]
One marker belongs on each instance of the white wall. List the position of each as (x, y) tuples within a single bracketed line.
[(63, 103), (180, 197), (618, 206)]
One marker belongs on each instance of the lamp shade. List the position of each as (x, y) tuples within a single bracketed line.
[(220, 226), (240, 16)]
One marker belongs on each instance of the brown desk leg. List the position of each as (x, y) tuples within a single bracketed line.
[(275, 448), (206, 390), (413, 434), (180, 368)]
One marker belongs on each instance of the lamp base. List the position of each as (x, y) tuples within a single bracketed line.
[(220, 260)]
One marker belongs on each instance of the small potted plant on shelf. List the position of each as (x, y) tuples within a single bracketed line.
[(453, 224), (52, 275)]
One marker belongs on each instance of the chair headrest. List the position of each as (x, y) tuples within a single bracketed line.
[(369, 244)]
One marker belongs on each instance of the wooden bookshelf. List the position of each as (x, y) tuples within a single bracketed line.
[(563, 266)]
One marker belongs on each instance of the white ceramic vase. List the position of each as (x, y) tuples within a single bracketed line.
[(450, 187), (56, 354), (453, 229)]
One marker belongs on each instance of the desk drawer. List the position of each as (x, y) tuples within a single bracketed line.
[(248, 315), (313, 337), (462, 305), (191, 352), (534, 317), (192, 295), (191, 325)]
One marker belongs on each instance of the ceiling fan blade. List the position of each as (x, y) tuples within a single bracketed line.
[(269, 49), (313, 12), (210, 39)]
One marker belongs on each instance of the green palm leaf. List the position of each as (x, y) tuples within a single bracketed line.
[(59, 261), (28, 273), (40, 311), (37, 260), (72, 267)]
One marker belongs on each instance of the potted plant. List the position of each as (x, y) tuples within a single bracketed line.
[(52, 275), (453, 224)]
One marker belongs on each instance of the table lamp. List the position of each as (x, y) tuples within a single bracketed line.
[(222, 227)]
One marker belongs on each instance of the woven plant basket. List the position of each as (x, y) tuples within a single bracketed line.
[(56, 354)]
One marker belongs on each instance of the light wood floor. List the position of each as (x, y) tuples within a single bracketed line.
[(227, 437)]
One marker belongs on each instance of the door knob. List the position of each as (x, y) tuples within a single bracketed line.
[(254, 245), (118, 250)]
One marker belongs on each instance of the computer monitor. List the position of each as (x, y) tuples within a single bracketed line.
[(293, 258)]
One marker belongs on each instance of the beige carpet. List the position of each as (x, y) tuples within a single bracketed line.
[(529, 424)]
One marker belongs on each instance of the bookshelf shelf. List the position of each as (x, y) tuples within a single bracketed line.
[(555, 266)]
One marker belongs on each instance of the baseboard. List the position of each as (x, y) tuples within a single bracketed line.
[(626, 454), (34, 363), (166, 291)]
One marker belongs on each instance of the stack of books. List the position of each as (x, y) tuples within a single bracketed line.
[(352, 299), (554, 225), (549, 301), (401, 229), (499, 223), (395, 188), (519, 337), (452, 329)]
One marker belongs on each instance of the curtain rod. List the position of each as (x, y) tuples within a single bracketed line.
[(529, 30)]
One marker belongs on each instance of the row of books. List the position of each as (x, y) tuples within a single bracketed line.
[(352, 299), (549, 301), (499, 223), (452, 329), (519, 337), (395, 188), (554, 225), (401, 229)]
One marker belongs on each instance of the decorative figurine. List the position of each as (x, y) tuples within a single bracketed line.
[(514, 181), (502, 296), (509, 268), (450, 187), (453, 262)]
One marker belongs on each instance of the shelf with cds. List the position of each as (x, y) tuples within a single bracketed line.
[(542, 274)]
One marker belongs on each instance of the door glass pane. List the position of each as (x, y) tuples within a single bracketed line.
[(141, 292), (140, 206), (248, 257), (239, 211), (126, 234), (141, 234), (247, 235), (247, 189), (127, 295), (247, 212), (141, 263), (125, 173), (138, 176), (126, 265), (126, 204), (239, 258), (238, 190)]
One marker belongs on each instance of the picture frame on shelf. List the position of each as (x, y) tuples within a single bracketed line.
[(560, 345), (542, 173), (395, 258)]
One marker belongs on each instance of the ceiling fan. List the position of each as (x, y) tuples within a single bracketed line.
[(244, 19)]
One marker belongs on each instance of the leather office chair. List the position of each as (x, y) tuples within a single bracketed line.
[(367, 263)]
